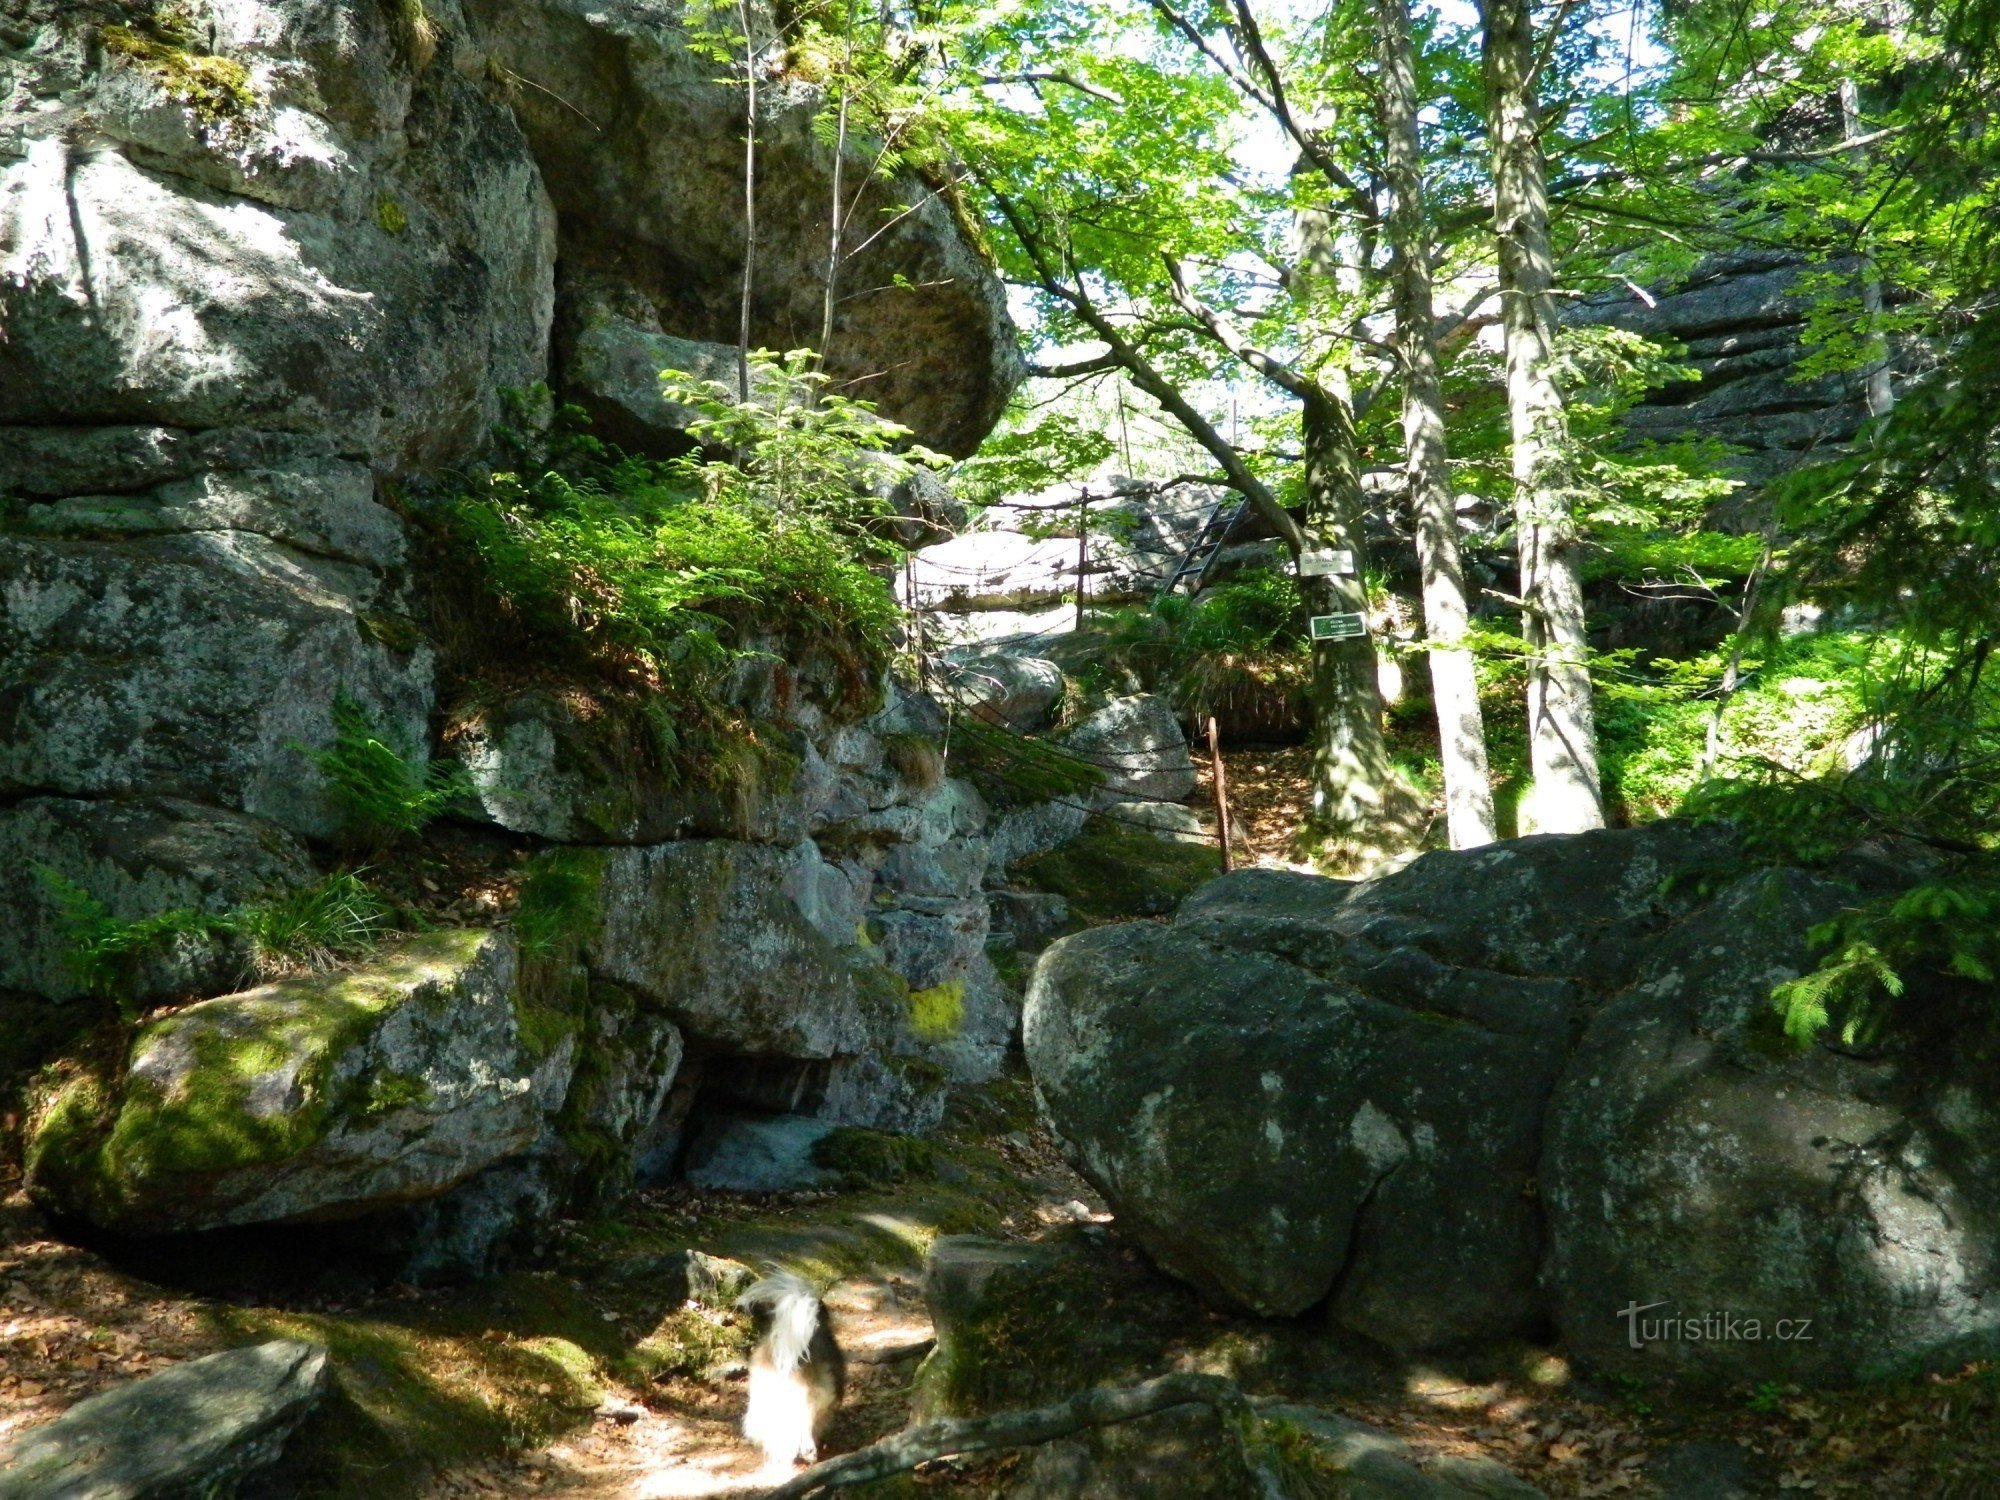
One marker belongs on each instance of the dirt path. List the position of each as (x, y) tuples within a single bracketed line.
[(681, 1440)]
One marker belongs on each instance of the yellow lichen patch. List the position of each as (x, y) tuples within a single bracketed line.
[(938, 1013), (216, 89), (390, 215)]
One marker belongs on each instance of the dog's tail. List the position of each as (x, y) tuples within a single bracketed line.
[(794, 1311)]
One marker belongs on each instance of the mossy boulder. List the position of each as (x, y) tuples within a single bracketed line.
[(324, 1097), (1114, 870)]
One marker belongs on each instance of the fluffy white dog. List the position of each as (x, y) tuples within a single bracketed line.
[(796, 1371)]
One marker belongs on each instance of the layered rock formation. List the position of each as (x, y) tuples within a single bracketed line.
[(1741, 319), (1537, 1082), (265, 265)]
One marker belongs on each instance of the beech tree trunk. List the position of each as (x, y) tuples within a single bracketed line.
[(1562, 731), (749, 201), (1357, 793), (1468, 790)]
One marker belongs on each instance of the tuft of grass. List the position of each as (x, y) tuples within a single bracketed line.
[(315, 927), (312, 928), (558, 904), (416, 33), (383, 797)]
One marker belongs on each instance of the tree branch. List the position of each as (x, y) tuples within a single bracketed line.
[(1273, 104), (1232, 338), (1068, 80), (1143, 374), (1097, 364), (1101, 1407)]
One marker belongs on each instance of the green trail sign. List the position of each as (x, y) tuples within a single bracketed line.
[(1338, 627)]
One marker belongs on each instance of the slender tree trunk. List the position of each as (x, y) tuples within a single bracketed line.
[(1358, 795), (1468, 792), (839, 222), (749, 200), (1881, 396), (1562, 729)]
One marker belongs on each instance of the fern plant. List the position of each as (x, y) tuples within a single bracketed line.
[(383, 797)]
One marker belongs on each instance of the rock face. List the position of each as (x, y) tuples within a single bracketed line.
[(651, 233), (196, 1428), (1741, 318), (719, 932), (1137, 743), (309, 1099), (257, 256), (1818, 1214), (138, 858), (324, 240), (265, 267), (1535, 1081)]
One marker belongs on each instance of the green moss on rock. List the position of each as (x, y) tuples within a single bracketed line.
[(864, 1156), (217, 90), (937, 1014), (1113, 871), (219, 1106)]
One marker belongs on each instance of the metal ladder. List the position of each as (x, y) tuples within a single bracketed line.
[(1207, 545)]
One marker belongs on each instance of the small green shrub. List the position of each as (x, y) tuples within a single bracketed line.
[(383, 796), (107, 956), (1949, 926), (1240, 650), (657, 580)]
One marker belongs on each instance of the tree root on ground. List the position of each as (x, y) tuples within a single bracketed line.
[(1101, 1407)]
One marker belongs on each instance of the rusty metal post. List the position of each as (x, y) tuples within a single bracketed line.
[(1221, 788)]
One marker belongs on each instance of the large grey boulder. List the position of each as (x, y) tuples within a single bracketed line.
[(1305, 1088), (197, 1428), (325, 1097), (1557, 1054), (628, 1056), (1275, 1137), (331, 240), (137, 859), (718, 933), (1137, 743), (1727, 1207), (641, 148), (1018, 692)]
